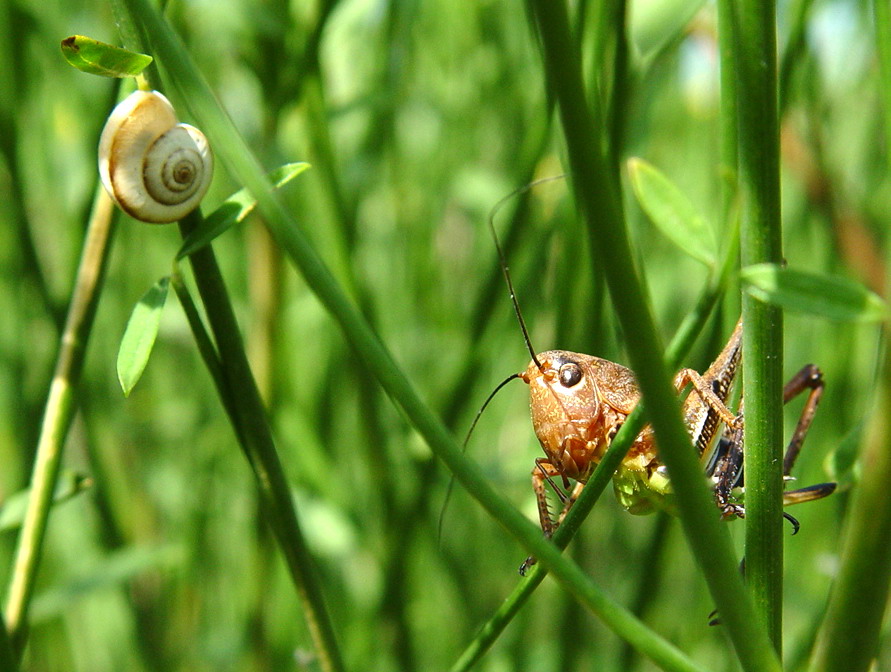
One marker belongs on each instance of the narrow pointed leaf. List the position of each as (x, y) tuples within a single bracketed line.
[(828, 296), (100, 58), (671, 212), (139, 337), (234, 210)]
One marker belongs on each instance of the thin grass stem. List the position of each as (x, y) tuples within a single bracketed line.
[(597, 195), (255, 436), (58, 414)]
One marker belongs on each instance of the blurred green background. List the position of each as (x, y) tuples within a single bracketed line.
[(418, 117)]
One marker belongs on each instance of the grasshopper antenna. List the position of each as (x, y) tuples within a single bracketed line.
[(476, 419), (503, 259), (513, 298)]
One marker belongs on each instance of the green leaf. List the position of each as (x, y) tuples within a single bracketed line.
[(672, 212), (234, 210), (12, 512), (657, 23), (99, 58), (832, 297), (139, 337)]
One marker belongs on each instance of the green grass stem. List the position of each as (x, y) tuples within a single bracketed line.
[(252, 428), (597, 195), (755, 63), (203, 341), (59, 411)]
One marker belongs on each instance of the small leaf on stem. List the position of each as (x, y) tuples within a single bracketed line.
[(671, 212), (99, 58), (234, 210), (139, 337), (828, 296)]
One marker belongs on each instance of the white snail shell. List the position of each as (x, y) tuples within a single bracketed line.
[(155, 168)]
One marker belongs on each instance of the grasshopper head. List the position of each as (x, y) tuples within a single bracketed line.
[(566, 411)]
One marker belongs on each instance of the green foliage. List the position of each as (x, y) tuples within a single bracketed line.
[(234, 210), (140, 334), (671, 212), (417, 118), (830, 297), (98, 58)]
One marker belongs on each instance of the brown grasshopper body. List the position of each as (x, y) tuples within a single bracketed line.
[(578, 403)]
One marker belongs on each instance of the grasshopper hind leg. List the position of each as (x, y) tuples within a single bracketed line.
[(809, 378), (726, 465)]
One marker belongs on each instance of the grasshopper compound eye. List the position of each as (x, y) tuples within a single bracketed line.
[(570, 374)]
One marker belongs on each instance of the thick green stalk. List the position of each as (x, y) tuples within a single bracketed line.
[(597, 195), (59, 411), (754, 27), (237, 157)]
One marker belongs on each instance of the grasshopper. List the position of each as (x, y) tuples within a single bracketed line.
[(578, 403)]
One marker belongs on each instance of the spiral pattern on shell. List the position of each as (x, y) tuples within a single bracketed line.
[(156, 169)]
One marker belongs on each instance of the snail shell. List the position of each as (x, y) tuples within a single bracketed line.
[(155, 168)]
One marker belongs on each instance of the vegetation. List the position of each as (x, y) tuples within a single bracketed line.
[(351, 325)]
